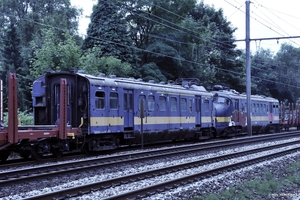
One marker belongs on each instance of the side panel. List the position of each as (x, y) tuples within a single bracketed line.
[(207, 112), (106, 115)]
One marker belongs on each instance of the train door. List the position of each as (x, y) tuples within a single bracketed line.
[(198, 110), (236, 112), (114, 118), (55, 110), (183, 110), (271, 112), (128, 109)]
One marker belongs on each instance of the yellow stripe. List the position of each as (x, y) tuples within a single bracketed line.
[(205, 119), (165, 120), (104, 121), (223, 119), (263, 118), (118, 121)]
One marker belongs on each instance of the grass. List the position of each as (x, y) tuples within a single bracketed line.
[(265, 186)]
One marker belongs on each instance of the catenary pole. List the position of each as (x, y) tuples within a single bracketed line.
[(248, 69)]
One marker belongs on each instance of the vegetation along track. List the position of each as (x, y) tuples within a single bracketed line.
[(8, 178)]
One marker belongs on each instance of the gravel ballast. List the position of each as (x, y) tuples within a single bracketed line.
[(216, 184)]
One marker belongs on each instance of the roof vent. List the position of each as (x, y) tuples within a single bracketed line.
[(101, 75)]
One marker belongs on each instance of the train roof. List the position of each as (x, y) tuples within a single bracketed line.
[(186, 87), (236, 95), (132, 83)]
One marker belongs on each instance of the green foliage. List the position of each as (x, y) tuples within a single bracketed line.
[(13, 62), (285, 70), (261, 186), (24, 118), (151, 39), (108, 32), (28, 17), (94, 64), (55, 54), (151, 71)]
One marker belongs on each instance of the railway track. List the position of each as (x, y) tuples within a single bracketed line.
[(13, 177), (20, 162), (8, 176)]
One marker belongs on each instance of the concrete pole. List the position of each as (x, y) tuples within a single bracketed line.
[(248, 69)]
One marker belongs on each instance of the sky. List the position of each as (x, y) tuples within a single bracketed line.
[(268, 19)]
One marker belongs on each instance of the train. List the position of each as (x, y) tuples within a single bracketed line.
[(73, 110)]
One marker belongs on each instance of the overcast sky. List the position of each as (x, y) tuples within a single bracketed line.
[(268, 19)]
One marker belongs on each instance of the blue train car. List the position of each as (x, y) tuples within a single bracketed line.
[(231, 113), (114, 111)]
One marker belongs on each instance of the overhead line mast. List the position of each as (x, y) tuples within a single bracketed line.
[(248, 69)]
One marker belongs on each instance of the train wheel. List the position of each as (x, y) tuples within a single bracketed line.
[(56, 152), (25, 154), (35, 153), (86, 149), (4, 155)]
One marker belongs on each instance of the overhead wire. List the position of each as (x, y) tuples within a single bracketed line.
[(280, 18), (277, 26), (213, 41), (237, 9), (261, 22), (143, 50)]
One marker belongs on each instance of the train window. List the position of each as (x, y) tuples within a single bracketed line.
[(125, 101), (57, 94), (151, 103), (162, 103), (183, 104), (221, 100), (142, 97), (191, 104), (254, 108), (206, 105), (128, 101), (100, 100), (114, 100), (173, 104), (236, 105)]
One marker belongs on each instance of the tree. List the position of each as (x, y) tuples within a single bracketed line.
[(28, 18), (219, 48), (94, 64), (12, 62), (287, 68), (107, 31), (55, 54), (185, 39)]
